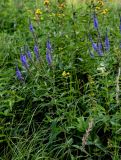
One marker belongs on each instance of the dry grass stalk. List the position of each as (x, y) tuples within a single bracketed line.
[(117, 86), (86, 135)]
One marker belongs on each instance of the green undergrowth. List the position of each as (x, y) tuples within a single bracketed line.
[(69, 110)]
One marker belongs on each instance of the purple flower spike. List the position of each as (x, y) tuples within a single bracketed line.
[(48, 52), (48, 45), (31, 27), (18, 74), (36, 51), (95, 22), (48, 57), (24, 60), (94, 46), (120, 24), (29, 55), (99, 51), (107, 44)]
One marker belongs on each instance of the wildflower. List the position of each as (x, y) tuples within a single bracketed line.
[(38, 12), (107, 44), (48, 52), (120, 24), (48, 45), (64, 74), (95, 22), (29, 55), (105, 11), (18, 74), (31, 27), (48, 57), (46, 2), (101, 3), (97, 8), (24, 60), (61, 6), (94, 46), (99, 49), (36, 51)]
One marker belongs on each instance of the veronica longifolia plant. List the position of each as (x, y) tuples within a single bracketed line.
[(48, 52), (18, 74), (99, 50), (24, 60), (95, 21), (36, 51)]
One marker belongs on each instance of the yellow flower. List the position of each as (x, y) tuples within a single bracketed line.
[(105, 11), (68, 74), (97, 8), (64, 74), (46, 2), (38, 12), (101, 2), (61, 6)]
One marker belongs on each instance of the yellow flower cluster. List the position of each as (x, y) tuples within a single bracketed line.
[(65, 74), (101, 3), (38, 12), (105, 11), (61, 6), (46, 2), (100, 7)]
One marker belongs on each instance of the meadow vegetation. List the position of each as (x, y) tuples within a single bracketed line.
[(60, 80)]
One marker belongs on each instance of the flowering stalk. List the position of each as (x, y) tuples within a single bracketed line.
[(94, 46), (18, 74), (29, 55), (24, 61), (48, 52), (120, 24), (32, 31), (36, 51), (99, 44), (31, 28), (95, 21), (85, 137), (48, 45), (99, 50)]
